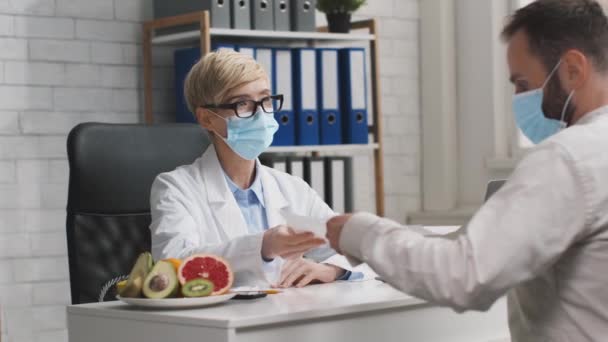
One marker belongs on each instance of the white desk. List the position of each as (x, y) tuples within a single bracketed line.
[(345, 311)]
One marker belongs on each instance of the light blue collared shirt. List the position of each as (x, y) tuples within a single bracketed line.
[(253, 207), (252, 204)]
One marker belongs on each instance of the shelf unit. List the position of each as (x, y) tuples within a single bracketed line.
[(323, 148), (189, 36), (203, 37)]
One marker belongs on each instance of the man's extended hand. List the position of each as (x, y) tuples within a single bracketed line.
[(334, 230)]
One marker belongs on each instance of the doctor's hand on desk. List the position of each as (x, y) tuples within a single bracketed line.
[(334, 230), (300, 272), (284, 242)]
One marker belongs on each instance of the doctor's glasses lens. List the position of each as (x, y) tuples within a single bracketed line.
[(269, 104), (272, 104)]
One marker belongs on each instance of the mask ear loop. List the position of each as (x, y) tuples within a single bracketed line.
[(551, 73), (562, 123), (223, 118)]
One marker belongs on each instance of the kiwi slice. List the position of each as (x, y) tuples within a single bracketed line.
[(197, 288)]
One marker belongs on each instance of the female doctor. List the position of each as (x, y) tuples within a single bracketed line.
[(226, 203)]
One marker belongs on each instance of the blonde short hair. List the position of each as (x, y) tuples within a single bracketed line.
[(217, 74)]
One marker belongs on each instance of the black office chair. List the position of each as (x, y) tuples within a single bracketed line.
[(112, 167)]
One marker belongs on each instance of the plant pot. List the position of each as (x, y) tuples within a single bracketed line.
[(338, 22)]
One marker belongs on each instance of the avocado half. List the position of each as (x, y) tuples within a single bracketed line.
[(161, 282), (142, 267)]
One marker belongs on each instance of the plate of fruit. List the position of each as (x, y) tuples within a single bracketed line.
[(200, 280)]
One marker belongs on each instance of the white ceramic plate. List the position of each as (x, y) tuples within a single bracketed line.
[(176, 303)]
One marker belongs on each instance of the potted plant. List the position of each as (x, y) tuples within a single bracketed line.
[(339, 12)]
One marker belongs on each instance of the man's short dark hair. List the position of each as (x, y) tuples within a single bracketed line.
[(556, 26)]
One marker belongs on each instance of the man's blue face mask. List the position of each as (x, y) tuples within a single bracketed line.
[(529, 116)]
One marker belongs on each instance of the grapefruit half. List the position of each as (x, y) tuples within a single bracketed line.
[(210, 267)]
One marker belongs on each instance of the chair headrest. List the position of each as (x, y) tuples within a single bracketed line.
[(112, 166)]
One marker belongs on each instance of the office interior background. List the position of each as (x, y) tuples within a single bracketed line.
[(444, 92)]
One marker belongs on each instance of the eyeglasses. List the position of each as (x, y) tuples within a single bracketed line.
[(247, 108)]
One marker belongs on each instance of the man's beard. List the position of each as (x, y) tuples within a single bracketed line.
[(555, 100)]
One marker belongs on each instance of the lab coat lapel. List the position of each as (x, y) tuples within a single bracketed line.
[(273, 197), (221, 201)]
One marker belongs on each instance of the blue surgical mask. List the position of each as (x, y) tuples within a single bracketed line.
[(249, 137), (529, 116)]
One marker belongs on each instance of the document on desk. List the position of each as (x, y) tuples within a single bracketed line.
[(311, 224)]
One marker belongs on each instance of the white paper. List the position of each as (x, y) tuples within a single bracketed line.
[(306, 224), (315, 225)]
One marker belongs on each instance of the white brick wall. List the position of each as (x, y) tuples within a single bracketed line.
[(7, 172), (40, 269), (62, 62), (7, 25), (132, 55), (86, 9), (48, 122), (132, 10), (106, 53), (108, 31), (34, 73), (83, 75), (68, 61), (44, 27), (82, 99), (14, 245), (51, 293), (40, 7), (43, 220), (60, 50), (399, 77), (25, 97), (9, 122), (120, 76), (48, 244), (13, 48), (16, 295), (6, 273)]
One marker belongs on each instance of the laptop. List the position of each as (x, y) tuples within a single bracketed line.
[(493, 186)]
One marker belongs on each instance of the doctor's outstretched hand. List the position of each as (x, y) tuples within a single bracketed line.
[(284, 242), (334, 230)]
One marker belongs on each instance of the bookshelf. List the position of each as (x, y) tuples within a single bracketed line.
[(323, 148), (189, 36), (206, 33)]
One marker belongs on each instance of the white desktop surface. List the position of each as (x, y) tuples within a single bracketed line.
[(342, 311)]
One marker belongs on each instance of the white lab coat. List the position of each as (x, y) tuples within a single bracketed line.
[(194, 211), (543, 238)]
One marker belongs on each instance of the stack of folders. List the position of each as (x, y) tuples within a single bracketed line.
[(279, 15), (325, 92), (330, 177)]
